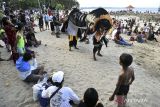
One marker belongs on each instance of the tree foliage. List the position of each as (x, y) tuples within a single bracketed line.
[(28, 4), (59, 6)]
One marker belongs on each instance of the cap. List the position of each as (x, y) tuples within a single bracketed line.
[(58, 76)]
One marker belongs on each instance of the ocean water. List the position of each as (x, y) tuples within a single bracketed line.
[(113, 9)]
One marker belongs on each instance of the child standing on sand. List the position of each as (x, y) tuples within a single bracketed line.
[(125, 79)]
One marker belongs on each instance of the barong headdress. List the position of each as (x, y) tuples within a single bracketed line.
[(99, 16)]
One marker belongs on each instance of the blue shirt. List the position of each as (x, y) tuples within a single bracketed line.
[(25, 68)]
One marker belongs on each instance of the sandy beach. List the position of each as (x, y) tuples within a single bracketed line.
[(81, 72)]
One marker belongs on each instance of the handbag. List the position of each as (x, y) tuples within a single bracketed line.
[(44, 102)]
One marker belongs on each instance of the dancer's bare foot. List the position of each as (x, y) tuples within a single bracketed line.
[(99, 54), (2, 59), (95, 59), (76, 48), (1, 46)]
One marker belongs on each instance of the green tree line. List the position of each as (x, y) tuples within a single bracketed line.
[(28, 4)]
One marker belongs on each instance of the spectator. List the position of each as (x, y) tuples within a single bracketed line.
[(119, 40), (29, 72), (90, 99), (31, 39), (46, 19), (41, 23), (139, 38), (125, 80), (58, 95), (3, 37), (20, 40)]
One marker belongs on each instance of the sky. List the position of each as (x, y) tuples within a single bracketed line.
[(119, 3)]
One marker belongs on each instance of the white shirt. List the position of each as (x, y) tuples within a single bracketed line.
[(146, 29), (114, 33), (61, 98), (72, 29)]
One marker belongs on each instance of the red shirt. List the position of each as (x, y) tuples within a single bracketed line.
[(11, 34)]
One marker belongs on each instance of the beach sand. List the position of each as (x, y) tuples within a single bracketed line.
[(81, 72)]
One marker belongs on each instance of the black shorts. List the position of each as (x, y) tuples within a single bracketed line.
[(123, 90), (34, 76), (46, 23), (52, 26)]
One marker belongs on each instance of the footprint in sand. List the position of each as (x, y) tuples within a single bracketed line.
[(141, 56), (138, 63), (158, 64)]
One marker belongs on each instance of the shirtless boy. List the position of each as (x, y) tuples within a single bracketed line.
[(125, 79)]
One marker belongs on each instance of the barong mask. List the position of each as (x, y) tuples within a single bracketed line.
[(99, 18)]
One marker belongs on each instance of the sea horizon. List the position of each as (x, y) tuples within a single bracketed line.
[(139, 9)]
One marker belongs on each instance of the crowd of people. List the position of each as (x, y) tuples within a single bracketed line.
[(133, 29), (17, 33)]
